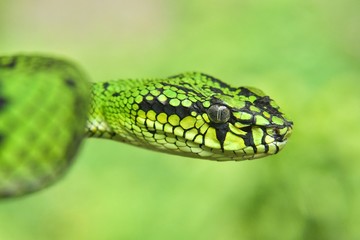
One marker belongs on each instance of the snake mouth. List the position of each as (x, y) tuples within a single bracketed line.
[(273, 141), (255, 142), (262, 154), (262, 150)]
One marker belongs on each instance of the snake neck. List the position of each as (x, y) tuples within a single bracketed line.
[(97, 126), (109, 118)]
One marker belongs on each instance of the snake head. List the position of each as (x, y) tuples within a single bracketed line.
[(248, 122), (231, 123), (191, 115)]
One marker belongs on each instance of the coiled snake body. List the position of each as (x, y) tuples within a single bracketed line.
[(45, 104)]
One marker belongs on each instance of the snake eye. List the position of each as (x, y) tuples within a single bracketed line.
[(219, 113)]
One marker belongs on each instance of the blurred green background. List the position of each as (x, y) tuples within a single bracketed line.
[(305, 54)]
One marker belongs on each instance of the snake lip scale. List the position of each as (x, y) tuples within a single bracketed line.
[(47, 102)]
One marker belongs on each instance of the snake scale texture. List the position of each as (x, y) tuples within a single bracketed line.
[(46, 103)]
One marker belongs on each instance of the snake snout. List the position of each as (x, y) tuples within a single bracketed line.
[(277, 135), (282, 134)]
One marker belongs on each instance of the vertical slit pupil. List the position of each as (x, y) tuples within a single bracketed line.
[(219, 113)]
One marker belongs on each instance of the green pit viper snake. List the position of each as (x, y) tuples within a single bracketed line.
[(46, 103)]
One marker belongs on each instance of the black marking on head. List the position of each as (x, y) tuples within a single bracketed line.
[(179, 87), (197, 107), (266, 147), (157, 106), (70, 82), (182, 112), (264, 103), (187, 88), (246, 92), (3, 102), (221, 130), (145, 106), (152, 131), (217, 101), (248, 138), (169, 110), (221, 83), (154, 105), (277, 136), (247, 105), (216, 90)]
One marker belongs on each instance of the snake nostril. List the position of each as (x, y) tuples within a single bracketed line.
[(277, 135), (282, 134)]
